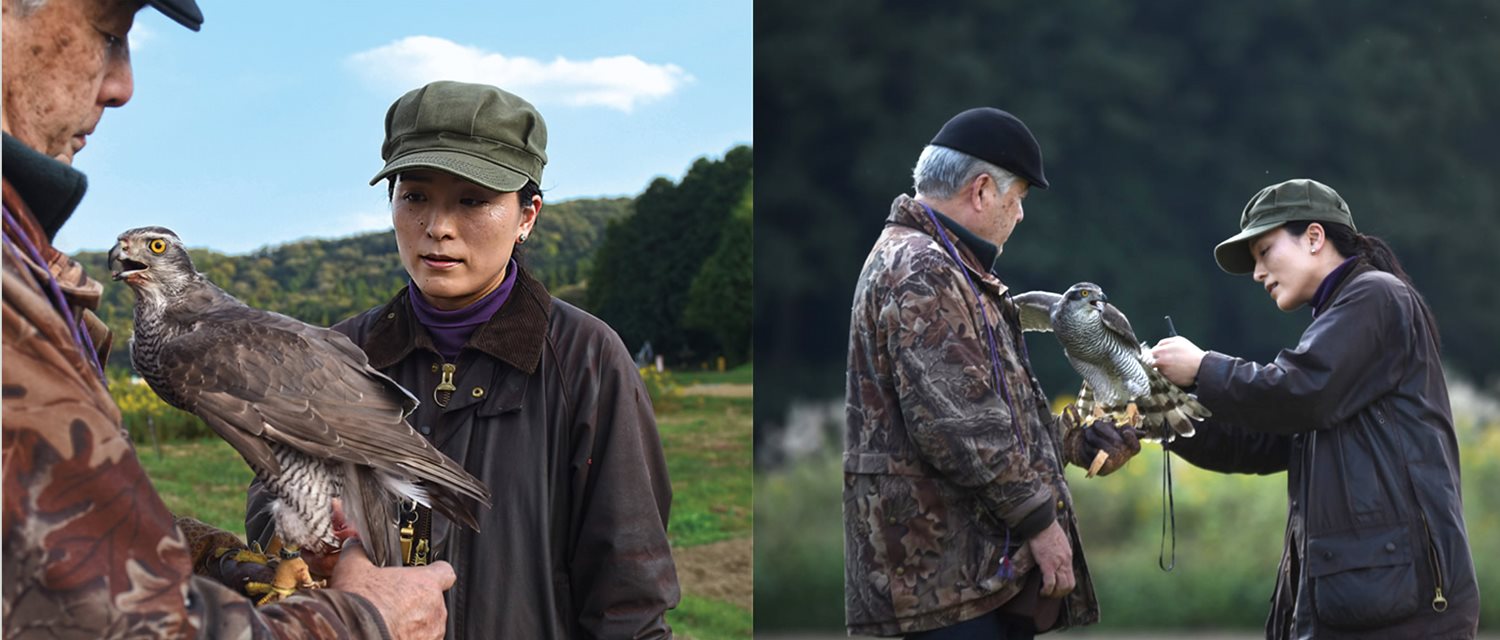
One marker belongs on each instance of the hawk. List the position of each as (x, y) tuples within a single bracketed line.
[(300, 403), (1116, 368)]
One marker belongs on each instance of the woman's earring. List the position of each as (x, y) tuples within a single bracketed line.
[(522, 239)]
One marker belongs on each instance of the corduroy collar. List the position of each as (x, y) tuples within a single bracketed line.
[(51, 189), (514, 335)]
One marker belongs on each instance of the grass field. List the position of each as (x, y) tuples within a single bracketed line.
[(708, 445), (708, 448), (1229, 532), (743, 374)]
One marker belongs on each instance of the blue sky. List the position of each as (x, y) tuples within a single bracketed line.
[(265, 127)]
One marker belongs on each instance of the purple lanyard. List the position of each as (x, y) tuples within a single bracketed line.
[(80, 332), (1000, 386)]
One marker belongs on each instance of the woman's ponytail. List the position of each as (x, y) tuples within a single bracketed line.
[(1374, 251)]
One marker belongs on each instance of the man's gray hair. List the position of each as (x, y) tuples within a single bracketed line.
[(27, 7), (942, 172)]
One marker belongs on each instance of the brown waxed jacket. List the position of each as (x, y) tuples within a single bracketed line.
[(933, 474), (550, 413), (1357, 415), (90, 549)]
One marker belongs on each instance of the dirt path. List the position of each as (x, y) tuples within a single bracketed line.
[(720, 570), (720, 390)]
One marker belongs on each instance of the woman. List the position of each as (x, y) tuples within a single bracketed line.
[(1357, 415), (533, 396)]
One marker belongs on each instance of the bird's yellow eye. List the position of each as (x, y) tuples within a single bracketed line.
[(157, 246), (1081, 294)]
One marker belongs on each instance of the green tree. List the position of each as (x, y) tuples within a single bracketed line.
[(646, 265), (718, 301)]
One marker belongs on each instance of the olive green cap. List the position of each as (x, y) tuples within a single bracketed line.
[(1276, 205), (477, 132)]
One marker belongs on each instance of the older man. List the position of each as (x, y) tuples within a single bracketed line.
[(958, 522), (90, 549)]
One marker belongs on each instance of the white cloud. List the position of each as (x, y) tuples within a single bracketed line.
[(139, 36), (616, 82)]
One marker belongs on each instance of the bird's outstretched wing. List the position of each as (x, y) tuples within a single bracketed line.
[(257, 377), (1036, 309)]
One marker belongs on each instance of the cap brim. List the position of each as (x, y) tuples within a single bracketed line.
[(185, 12), (481, 172), (1233, 255)]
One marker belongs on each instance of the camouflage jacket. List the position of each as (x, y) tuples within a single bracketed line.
[(90, 549), (935, 482)]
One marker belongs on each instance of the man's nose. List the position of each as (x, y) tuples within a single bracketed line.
[(119, 79)]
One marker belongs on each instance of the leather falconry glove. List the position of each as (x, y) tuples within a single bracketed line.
[(1100, 447)]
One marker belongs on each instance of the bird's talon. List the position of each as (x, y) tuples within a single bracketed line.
[(1073, 417)]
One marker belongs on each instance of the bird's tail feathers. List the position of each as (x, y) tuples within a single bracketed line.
[(1169, 411), (1085, 400), (454, 504), (459, 507), (372, 512), (450, 489), (405, 488)]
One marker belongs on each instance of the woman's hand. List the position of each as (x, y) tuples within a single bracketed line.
[(1178, 359)]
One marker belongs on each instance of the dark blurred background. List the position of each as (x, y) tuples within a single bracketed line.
[(1157, 122)]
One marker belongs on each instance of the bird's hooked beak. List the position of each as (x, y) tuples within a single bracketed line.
[(127, 267), (1099, 300)]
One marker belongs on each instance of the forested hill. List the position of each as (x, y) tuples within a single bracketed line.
[(324, 281)]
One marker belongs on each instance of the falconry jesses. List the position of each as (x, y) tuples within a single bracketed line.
[(1117, 374), (300, 403)]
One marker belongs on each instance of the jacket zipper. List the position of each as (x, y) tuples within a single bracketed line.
[(1439, 603)]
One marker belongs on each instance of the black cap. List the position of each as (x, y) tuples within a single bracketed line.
[(998, 138), (185, 12)]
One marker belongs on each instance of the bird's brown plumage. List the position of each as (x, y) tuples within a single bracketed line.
[(270, 384)]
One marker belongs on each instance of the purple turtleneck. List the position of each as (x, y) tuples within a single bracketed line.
[(450, 330), (1325, 289)]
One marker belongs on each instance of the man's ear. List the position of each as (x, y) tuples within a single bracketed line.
[(976, 190)]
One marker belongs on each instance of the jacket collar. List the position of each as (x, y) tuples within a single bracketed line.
[(514, 335), (907, 212), (1336, 282), (51, 189)]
